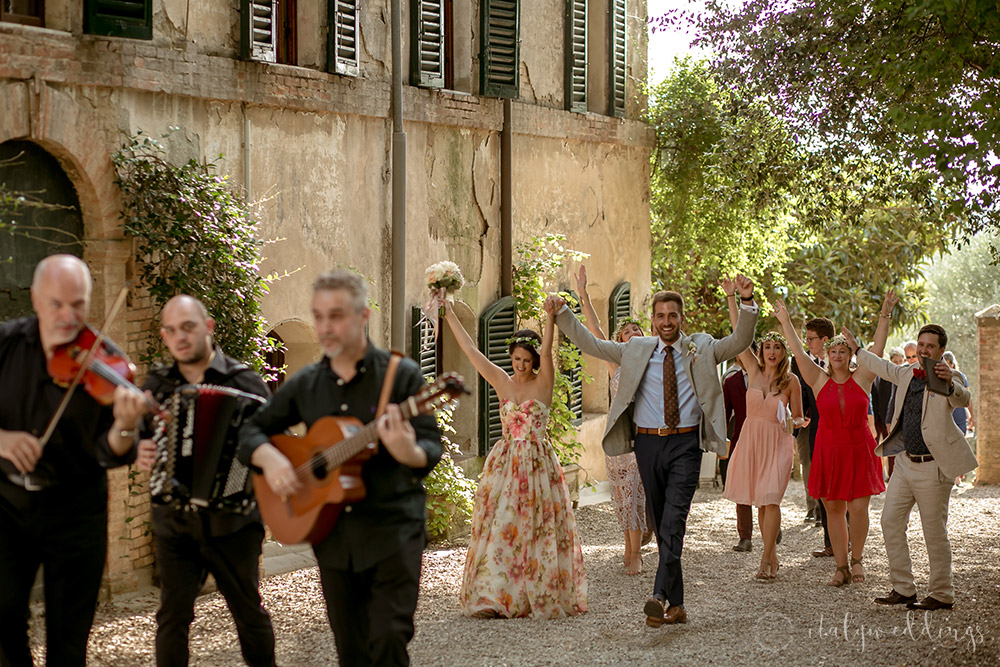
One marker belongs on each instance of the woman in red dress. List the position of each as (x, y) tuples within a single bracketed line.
[(845, 472)]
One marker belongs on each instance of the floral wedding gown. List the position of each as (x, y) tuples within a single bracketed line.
[(524, 555)]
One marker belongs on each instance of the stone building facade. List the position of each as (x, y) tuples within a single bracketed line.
[(296, 96)]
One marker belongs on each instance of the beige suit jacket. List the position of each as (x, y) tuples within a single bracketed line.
[(947, 444), (633, 357)]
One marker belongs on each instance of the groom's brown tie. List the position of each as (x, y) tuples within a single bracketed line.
[(671, 412)]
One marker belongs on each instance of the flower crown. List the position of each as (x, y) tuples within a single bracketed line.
[(625, 321), (773, 337), (527, 341), (839, 339)]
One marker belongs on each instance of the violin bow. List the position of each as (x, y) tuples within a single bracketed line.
[(91, 353)]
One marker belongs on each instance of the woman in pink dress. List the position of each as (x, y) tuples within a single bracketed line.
[(761, 463), (627, 494), (524, 556), (845, 472)]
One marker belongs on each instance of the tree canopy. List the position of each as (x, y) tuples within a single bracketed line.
[(912, 83), (732, 190)]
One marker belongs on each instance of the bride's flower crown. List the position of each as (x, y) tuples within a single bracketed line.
[(523, 340)]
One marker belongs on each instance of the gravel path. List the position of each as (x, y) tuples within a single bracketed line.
[(733, 619)]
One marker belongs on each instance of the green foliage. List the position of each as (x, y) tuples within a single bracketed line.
[(538, 261), (195, 236), (449, 491), (959, 285), (721, 177), (733, 190), (907, 82)]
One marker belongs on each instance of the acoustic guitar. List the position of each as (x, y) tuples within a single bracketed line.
[(328, 461)]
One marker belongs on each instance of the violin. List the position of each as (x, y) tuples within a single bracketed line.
[(108, 368)]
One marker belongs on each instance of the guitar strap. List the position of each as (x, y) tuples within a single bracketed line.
[(390, 378)]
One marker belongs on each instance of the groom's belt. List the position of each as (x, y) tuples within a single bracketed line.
[(917, 458), (663, 432)]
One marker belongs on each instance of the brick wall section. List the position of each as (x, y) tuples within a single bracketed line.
[(988, 409), (90, 61)]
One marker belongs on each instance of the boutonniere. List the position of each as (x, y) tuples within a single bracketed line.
[(919, 374), (692, 350)]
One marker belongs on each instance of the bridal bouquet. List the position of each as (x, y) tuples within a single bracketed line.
[(443, 280)]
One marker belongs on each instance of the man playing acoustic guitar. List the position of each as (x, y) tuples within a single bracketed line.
[(370, 561)]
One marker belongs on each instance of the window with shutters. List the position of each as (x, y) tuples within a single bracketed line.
[(342, 40), (574, 374), (500, 40), (576, 55), (119, 18), (423, 343), (496, 325), (268, 31), (619, 306), (430, 37), (616, 48), (28, 12), (258, 29)]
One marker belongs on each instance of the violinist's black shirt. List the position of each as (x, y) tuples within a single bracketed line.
[(77, 455), (393, 511)]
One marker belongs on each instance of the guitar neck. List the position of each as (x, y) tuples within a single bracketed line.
[(353, 445)]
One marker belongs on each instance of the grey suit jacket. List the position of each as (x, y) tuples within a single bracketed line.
[(633, 357), (947, 444)]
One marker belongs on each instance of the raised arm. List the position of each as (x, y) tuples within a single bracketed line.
[(746, 322), (591, 320), (728, 286), (602, 349), (496, 376), (811, 373), (864, 376), (546, 369)]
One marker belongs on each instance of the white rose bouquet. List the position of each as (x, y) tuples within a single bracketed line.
[(443, 280)]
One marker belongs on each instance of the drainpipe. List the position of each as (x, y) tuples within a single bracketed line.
[(246, 154), (506, 208), (398, 295)]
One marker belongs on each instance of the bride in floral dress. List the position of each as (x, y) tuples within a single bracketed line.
[(524, 555)]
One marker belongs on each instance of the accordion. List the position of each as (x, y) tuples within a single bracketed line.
[(196, 465)]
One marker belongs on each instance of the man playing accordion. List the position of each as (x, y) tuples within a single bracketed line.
[(205, 519)]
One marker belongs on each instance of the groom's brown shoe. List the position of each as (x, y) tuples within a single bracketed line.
[(675, 615), (654, 612)]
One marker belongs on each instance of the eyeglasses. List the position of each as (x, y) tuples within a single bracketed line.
[(911, 357)]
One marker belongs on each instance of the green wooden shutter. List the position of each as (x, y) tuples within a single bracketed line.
[(258, 30), (119, 18), (575, 374), (496, 325), (342, 41), (617, 50), (619, 306), (423, 345), (499, 56), (427, 43), (576, 55)]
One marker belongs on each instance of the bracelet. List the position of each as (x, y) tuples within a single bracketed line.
[(746, 298), (729, 295), (887, 317)]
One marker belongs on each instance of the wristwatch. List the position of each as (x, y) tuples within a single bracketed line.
[(127, 433)]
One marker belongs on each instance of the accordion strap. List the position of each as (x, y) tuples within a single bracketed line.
[(390, 377)]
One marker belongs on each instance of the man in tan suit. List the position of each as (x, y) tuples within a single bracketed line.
[(931, 453)]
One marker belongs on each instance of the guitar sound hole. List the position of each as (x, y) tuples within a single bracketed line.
[(319, 467)]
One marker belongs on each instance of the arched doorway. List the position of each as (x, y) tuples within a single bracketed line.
[(39, 216), (301, 348)]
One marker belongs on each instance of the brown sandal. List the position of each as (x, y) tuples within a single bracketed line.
[(857, 578), (845, 572), (764, 573)]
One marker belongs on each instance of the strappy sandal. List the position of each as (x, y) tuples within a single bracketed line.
[(764, 573), (857, 578), (774, 572), (845, 572)]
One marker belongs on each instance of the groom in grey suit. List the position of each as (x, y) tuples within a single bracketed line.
[(670, 405)]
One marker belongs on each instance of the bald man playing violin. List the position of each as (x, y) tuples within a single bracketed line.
[(54, 496)]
